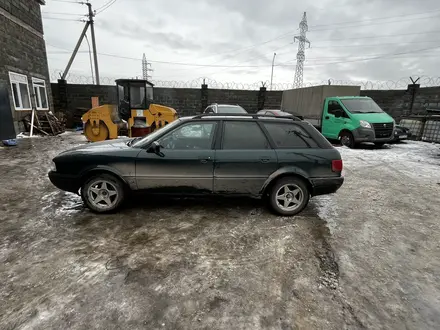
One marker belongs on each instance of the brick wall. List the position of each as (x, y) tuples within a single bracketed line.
[(22, 46), (189, 101), (27, 11)]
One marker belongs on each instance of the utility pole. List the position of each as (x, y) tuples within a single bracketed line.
[(300, 56), (146, 67), (92, 30), (271, 75), (90, 23)]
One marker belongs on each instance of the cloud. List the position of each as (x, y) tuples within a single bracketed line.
[(345, 36)]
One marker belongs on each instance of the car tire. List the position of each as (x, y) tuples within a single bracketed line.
[(347, 139), (103, 193), (297, 190)]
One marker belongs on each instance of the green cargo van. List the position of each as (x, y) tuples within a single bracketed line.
[(341, 114)]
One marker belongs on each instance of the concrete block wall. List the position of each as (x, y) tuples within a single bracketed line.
[(391, 101), (426, 98), (189, 101)]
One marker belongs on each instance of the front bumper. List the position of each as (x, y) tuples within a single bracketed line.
[(324, 186), (362, 134), (65, 182)]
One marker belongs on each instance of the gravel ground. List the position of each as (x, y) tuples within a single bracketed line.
[(366, 257)]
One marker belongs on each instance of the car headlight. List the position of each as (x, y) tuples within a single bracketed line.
[(365, 124)]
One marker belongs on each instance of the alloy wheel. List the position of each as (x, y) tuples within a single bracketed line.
[(103, 194), (289, 197)]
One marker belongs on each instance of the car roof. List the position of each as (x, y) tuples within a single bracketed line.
[(241, 116), (228, 105)]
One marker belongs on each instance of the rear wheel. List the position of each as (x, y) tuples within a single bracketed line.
[(102, 193), (347, 139), (289, 196)]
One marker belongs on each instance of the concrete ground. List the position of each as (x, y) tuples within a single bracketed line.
[(367, 257)]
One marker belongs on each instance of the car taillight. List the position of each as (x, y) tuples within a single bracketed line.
[(337, 165)]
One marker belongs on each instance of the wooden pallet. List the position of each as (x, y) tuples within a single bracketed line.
[(45, 123)]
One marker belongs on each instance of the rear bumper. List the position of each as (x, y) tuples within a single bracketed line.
[(64, 182), (362, 134), (324, 186)]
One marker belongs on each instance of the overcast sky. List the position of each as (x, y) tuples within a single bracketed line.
[(236, 39)]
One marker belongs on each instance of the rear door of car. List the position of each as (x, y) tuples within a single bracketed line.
[(244, 158), (296, 149)]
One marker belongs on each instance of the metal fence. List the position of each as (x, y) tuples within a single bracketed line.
[(402, 83)]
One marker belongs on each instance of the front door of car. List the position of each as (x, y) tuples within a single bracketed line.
[(245, 159), (184, 164), (333, 121)]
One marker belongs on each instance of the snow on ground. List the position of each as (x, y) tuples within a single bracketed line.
[(419, 160)]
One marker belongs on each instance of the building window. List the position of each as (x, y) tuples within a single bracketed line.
[(20, 91), (40, 94)]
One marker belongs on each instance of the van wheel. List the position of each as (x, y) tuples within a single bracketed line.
[(102, 193), (289, 196), (347, 139)]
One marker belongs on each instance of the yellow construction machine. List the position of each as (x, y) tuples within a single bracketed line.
[(135, 113)]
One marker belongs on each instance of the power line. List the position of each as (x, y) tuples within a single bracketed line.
[(377, 23), (370, 45), (382, 36), (253, 66), (377, 57), (378, 18), (106, 6), (68, 1), (68, 14), (62, 19)]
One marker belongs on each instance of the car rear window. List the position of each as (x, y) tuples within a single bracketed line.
[(244, 135), (289, 136)]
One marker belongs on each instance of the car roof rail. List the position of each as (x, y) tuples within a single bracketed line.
[(246, 115)]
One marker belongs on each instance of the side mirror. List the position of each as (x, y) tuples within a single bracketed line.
[(154, 148)]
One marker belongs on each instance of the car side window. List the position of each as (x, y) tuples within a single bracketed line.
[(334, 107), (289, 136), (244, 135), (191, 136)]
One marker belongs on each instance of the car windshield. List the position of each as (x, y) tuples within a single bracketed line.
[(231, 109), (361, 106), (150, 137)]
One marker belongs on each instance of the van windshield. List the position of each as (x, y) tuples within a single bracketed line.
[(361, 106)]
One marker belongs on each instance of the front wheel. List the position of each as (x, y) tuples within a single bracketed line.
[(289, 196), (102, 193), (347, 139)]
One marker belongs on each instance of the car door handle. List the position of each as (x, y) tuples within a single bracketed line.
[(264, 160), (204, 160), (327, 117)]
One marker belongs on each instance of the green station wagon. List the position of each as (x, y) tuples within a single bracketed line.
[(283, 159)]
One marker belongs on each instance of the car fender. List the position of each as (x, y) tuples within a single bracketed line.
[(281, 172), (105, 168)]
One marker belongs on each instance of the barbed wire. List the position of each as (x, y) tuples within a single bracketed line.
[(424, 81)]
